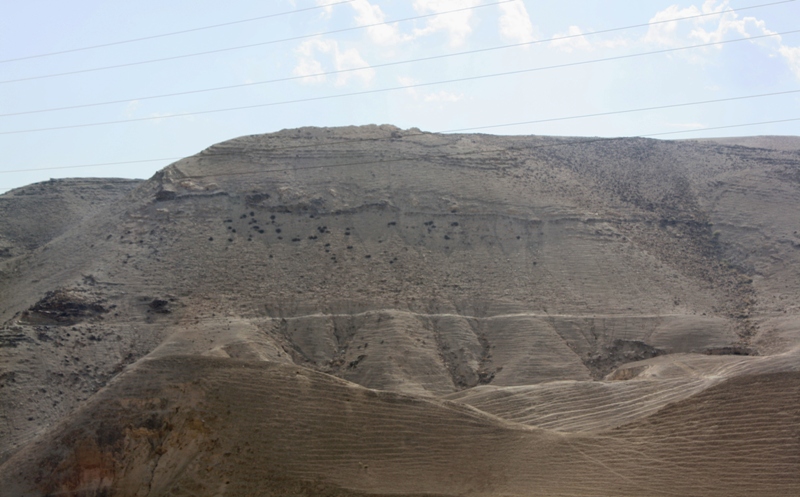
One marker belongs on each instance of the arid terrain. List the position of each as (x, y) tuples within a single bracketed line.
[(371, 311)]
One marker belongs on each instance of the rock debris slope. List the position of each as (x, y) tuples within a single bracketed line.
[(374, 311)]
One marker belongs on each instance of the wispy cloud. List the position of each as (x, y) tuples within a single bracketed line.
[(327, 10), (310, 66), (792, 56), (515, 23), (383, 34), (664, 32), (458, 25), (320, 55), (715, 28), (573, 39)]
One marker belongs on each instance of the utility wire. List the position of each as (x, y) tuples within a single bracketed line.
[(459, 130), (627, 111), (90, 165), (396, 88), (387, 64), (173, 33), (721, 127), (239, 47), (567, 142), (557, 38)]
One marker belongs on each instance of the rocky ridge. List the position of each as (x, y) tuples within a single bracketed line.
[(509, 274)]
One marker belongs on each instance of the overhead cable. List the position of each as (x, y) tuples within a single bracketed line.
[(569, 141), (251, 45), (397, 88), (374, 66), (90, 165), (627, 111), (777, 121), (173, 33)]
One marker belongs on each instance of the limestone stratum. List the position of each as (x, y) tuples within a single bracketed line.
[(368, 311)]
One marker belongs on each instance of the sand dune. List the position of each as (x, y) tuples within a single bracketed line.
[(192, 425)]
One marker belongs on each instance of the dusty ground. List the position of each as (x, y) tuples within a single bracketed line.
[(372, 311)]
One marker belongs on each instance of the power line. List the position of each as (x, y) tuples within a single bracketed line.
[(649, 135), (722, 127), (90, 165), (475, 128), (396, 88), (375, 66), (387, 64), (239, 47), (568, 142), (627, 111), (173, 33)]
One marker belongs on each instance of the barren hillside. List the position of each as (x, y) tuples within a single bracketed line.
[(374, 311)]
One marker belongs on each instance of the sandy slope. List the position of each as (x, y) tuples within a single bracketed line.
[(202, 426)]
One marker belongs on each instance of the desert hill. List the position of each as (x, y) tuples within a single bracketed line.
[(470, 292)]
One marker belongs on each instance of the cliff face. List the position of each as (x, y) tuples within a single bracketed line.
[(476, 267)]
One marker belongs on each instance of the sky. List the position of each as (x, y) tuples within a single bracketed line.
[(437, 65)]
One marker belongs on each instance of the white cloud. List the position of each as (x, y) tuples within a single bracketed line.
[(307, 64), (716, 28), (457, 25), (348, 59), (407, 80), (351, 59), (311, 69), (708, 29), (383, 34), (515, 23), (662, 31), (573, 39), (410, 82), (792, 56), (327, 11)]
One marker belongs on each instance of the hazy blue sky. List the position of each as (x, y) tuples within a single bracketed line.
[(753, 67)]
